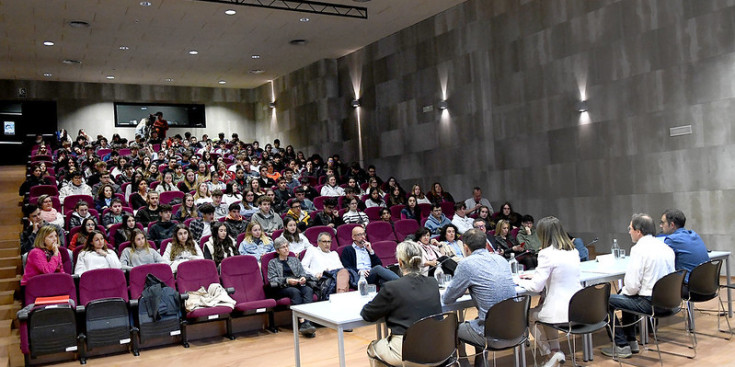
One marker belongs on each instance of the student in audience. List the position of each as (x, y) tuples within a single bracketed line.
[(248, 206), (323, 263), (374, 184), (220, 208), (203, 174), (220, 245), (181, 249), (375, 199), (327, 216), (396, 197), (509, 245), (164, 228), (296, 213), (486, 216), (201, 227), (438, 195), (306, 204), (488, 278), (232, 193), (386, 216), (255, 243), (75, 187), (202, 195), (150, 212), (689, 249), (125, 232), (36, 178), (105, 179), (256, 189), (419, 194), (140, 197), (96, 255), (104, 197), (436, 220), (353, 215), (282, 195), (189, 183), (401, 303), (527, 235), (266, 217), (296, 240), (265, 181), (474, 203), (167, 184), (35, 222), (85, 230), (139, 252), (288, 278), (114, 215), (234, 222), (44, 258), (411, 211), (507, 213), (216, 183), (80, 213), (48, 213), (558, 272), (461, 220), (361, 258), (331, 188), (187, 209), (352, 183)]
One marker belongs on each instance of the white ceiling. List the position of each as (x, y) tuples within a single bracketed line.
[(160, 36)]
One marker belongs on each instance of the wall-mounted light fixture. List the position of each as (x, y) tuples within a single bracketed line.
[(355, 103), (442, 105), (581, 106), (272, 105)]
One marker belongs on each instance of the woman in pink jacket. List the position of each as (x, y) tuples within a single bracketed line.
[(45, 257)]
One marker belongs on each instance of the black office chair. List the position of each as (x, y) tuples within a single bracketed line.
[(506, 326), (431, 341), (704, 285), (665, 301), (587, 313)]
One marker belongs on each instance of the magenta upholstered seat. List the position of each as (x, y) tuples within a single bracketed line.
[(138, 275), (194, 274), (285, 301), (373, 213), (395, 212), (243, 274), (39, 190), (168, 196), (386, 251), (405, 227), (71, 200), (312, 233), (344, 234), (380, 231)]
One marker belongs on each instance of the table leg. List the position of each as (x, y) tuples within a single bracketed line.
[(729, 283), (341, 345), (297, 354)]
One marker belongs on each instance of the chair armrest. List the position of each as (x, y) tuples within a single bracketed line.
[(80, 309), (230, 290), (183, 296), (133, 303)]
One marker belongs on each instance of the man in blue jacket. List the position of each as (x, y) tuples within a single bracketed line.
[(688, 247)]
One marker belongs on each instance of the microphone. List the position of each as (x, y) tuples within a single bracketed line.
[(593, 242)]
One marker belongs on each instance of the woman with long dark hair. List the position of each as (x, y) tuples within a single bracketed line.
[(220, 246)]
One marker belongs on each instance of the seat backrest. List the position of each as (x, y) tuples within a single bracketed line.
[(425, 210), (39, 190), (168, 196), (164, 245), (138, 275), (193, 274), (102, 283), (386, 251), (204, 240), (405, 227), (506, 324), (589, 304), (267, 257), (395, 212), (431, 340), (704, 280), (667, 291), (243, 274), (49, 285), (344, 233), (72, 200), (373, 212), (319, 202), (276, 234), (312, 233), (448, 209), (380, 231)]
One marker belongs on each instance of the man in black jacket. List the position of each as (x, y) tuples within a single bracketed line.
[(164, 228), (361, 258)]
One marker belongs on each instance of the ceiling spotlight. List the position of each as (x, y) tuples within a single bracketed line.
[(256, 71), (272, 105), (193, 52), (110, 77), (78, 24), (304, 19), (47, 74), (442, 105), (254, 56), (145, 3), (124, 48), (581, 106), (298, 42), (169, 80), (230, 12), (355, 103), (48, 43), (71, 62), (222, 82)]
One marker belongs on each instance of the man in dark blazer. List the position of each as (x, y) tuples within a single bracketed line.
[(361, 258)]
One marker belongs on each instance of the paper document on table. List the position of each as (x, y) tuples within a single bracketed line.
[(604, 264)]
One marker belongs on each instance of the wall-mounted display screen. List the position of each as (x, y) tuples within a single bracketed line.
[(177, 115)]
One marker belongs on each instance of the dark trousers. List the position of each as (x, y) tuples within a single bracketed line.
[(624, 335), (297, 294)]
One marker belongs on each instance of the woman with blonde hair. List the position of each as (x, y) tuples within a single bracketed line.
[(202, 195), (139, 252), (558, 272), (44, 258), (182, 248), (401, 302), (256, 242)]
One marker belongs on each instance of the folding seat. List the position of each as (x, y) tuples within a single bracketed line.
[(425, 210), (54, 202), (243, 274), (373, 213), (168, 196), (312, 233), (395, 212), (103, 152), (169, 325), (276, 234), (203, 240), (405, 227), (71, 200), (344, 234), (164, 245), (103, 305), (113, 229), (192, 275), (448, 209), (39, 190), (48, 329), (386, 251), (380, 231), (282, 302)]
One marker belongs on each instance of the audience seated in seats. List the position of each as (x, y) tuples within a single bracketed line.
[(436, 220), (81, 212), (306, 204), (507, 213), (331, 188), (190, 181), (297, 242), (220, 209), (48, 213), (232, 193), (461, 219), (75, 186), (419, 195), (255, 243), (150, 212), (282, 195), (203, 174), (201, 227), (44, 258), (328, 216), (352, 215), (35, 222), (486, 216), (527, 236), (263, 178), (450, 243), (351, 183), (558, 272), (488, 278), (310, 192), (256, 189), (438, 195), (430, 253), (474, 203), (96, 255), (375, 199), (401, 303), (140, 197), (187, 210), (296, 213), (220, 245), (489, 237), (139, 252), (689, 249), (361, 258), (167, 184), (182, 248), (164, 228), (372, 175), (288, 278), (125, 232), (396, 197), (412, 210), (215, 183), (104, 198), (385, 216), (373, 184), (36, 178), (349, 194), (509, 245), (105, 179), (248, 206), (85, 230), (235, 223), (269, 221), (325, 266), (202, 194)]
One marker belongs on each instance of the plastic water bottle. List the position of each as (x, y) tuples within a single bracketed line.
[(362, 285), (513, 264), (615, 248), (439, 275)]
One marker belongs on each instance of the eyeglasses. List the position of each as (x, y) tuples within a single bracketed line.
[(360, 234), (296, 207), (327, 241)]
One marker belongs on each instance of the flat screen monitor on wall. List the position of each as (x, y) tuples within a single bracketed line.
[(177, 115)]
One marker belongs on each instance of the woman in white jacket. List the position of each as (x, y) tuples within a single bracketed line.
[(331, 188), (96, 255), (182, 248), (558, 272)]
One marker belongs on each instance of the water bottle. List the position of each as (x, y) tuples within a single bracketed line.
[(615, 248), (439, 275), (362, 285), (513, 264)]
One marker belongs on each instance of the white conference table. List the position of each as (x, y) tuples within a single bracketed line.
[(342, 311)]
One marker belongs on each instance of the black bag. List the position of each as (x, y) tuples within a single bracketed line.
[(157, 301)]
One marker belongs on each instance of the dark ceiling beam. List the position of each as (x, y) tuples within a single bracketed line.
[(313, 7)]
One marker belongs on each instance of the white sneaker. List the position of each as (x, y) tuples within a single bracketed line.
[(557, 357)]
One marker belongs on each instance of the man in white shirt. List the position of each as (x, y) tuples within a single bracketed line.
[(474, 203), (650, 260), (461, 220), (323, 263)]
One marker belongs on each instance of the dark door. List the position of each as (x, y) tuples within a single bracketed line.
[(21, 121)]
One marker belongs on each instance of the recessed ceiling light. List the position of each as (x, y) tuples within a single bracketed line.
[(145, 3), (110, 77), (298, 42), (78, 24), (304, 19), (169, 80), (193, 52), (71, 62), (256, 71), (48, 43), (222, 82), (47, 74), (124, 48), (254, 56), (230, 12)]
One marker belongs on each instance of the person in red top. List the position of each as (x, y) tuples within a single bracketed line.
[(160, 125), (45, 257)]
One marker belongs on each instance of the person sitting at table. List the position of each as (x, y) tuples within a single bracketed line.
[(558, 272), (324, 264), (489, 280), (361, 258), (689, 249), (401, 302), (288, 278)]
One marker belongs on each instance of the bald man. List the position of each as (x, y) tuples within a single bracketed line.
[(361, 258)]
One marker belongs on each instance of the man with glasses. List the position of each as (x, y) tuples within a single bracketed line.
[(480, 224), (324, 264), (302, 218), (361, 258), (688, 247), (327, 216)]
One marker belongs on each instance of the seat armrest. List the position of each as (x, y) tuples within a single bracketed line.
[(230, 290), (133, 303), (184, 296), (80, 309)]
